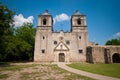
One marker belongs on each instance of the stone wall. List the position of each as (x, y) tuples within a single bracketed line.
[(101, 54), (50, 54)]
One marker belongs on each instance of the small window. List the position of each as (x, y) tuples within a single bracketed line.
[(55, 42), (44, 21), (79, 21), (80, 51), (67, 42), (43, 37), (43, 51), (79, 37)]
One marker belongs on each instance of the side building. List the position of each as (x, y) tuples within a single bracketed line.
[(103, 54)]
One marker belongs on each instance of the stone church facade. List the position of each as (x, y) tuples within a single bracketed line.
[(73, 46)]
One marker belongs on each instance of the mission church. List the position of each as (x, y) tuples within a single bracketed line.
[(73, 46)]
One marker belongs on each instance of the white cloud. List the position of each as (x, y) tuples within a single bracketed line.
[(117, 34), (61, 17), (19, 20)]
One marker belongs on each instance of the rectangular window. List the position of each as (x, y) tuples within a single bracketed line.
[(80, 51), (79, 37), (43, 37), (55, 42), (68, 42), (43, 51)]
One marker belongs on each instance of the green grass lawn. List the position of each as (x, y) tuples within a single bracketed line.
[(112, 70)]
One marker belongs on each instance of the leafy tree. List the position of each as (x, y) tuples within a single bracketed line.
[(17, 49), (21, 45), (16, 44), (113, 42), (6, 29), (27, 34)]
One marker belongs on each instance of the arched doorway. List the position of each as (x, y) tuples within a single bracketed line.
[(61, 57), (116, 58)]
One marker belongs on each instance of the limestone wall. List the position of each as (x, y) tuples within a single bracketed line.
[(101, 54), (45, 41)]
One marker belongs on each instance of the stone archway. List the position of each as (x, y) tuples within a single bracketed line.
[(116, 58), (61, 57)]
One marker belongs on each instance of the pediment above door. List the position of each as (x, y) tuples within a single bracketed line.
[(61, 47)]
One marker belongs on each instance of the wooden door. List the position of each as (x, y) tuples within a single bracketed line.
[(61, 57)]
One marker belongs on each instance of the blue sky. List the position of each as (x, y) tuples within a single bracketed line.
[(103, 16)]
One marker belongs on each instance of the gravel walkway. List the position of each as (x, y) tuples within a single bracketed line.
[(88, 74)]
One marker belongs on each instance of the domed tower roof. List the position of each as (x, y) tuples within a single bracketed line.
[(46, 12), (77, 12)]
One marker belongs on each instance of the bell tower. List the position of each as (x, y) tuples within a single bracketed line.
[(45, 21), (79, 29), (78, 22)]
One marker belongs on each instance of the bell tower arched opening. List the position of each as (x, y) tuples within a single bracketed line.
[(44, 21), (79, 21)]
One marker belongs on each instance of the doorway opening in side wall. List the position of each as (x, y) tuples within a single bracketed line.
[(61, 57), (116, 58)]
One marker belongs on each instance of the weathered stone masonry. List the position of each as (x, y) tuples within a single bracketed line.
[(73, 46)]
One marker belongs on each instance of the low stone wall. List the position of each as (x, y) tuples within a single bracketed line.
[(102, 54)]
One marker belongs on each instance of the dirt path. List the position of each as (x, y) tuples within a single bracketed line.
[(26, 71)]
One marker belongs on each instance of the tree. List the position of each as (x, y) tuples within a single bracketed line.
[(6, 29), (16, 44), (21, 45), (113, 42), (27, 34), (6, 20)]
